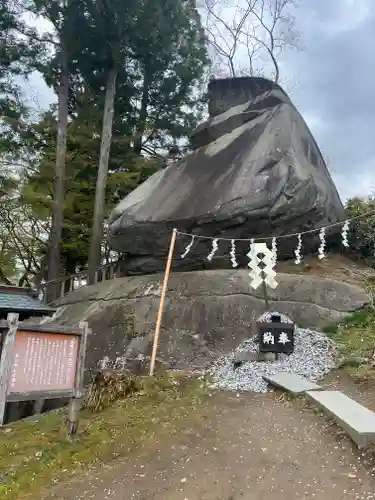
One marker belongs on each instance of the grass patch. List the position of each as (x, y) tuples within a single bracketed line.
[(362, 373), (35, 455), (355, 339)]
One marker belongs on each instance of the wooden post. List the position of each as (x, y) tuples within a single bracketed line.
[(75, 402), (42, 293), (265, 295), (62, 289), (162, 299), (6, 360), (38, 406)]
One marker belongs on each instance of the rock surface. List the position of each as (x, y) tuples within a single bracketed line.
[(207, 313), (256, 171)]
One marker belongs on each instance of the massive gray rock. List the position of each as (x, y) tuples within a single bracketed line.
[(207, 313), (256, 170)]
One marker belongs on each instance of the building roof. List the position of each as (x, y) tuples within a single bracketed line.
[(16, 301)]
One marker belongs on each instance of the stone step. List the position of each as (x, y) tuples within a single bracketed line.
[(292, 383), (355, 419)]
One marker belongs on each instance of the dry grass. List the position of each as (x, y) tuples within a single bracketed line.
[(109, 386), (35, 455), (333, 266)]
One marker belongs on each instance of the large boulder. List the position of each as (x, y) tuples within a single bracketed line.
[(256, 170), (207, 313)]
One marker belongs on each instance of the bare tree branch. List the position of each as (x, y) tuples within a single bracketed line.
[(256, 31)]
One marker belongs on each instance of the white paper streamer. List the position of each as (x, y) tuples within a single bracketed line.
[(255, 273), (297, 251), (252, 257), (215, 246), (233, 254), (266, 272), (274, 250), (251, 251), (321, 249), (188, 247), (344, 234)]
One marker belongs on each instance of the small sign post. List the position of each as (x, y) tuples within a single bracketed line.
[(6, 361), (75, 402), (38, 362)]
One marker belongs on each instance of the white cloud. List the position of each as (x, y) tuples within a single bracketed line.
[(361, 184), (314, 121), (38, 22), (37, 94), (353, 13)]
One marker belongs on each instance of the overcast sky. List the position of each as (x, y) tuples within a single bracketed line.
[(335, 72)]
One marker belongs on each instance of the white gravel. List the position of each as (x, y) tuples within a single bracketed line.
[(313, 357), (266, 317)]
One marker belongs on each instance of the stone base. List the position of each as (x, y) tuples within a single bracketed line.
[(355, 419), (266, 356), (244, 356), (292, 383)]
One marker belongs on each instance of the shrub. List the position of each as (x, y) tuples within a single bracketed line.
[(362, 233)]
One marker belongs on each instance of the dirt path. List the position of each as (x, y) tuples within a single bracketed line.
[(252, 447)]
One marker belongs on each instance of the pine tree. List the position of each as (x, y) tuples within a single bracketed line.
[(156, 56), (17, 59)]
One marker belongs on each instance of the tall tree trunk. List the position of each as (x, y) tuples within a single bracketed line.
[(143, 112), (101, 181), (54, 243)]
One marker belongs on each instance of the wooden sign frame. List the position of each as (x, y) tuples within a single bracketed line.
[(74, 388)]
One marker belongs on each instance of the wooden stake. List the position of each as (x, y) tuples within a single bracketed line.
[(265, 294), (162, 299), (75, 402), (6, 362)]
